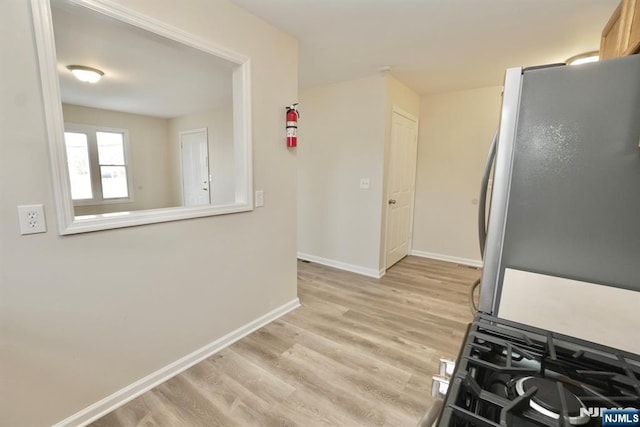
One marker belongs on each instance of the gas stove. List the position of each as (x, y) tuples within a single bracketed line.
[(510, 374)]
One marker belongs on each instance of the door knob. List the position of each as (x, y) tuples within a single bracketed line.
[(392, 202)]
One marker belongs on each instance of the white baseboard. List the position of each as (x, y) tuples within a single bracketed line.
[(130, 392), (370, 272), (441, 257)]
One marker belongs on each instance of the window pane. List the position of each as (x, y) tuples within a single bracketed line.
[(78, 163), (114, 182), (110, 148)]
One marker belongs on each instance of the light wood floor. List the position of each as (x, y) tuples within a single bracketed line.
[(358, 352)]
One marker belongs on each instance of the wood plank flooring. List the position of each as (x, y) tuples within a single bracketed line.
[(358, 352)]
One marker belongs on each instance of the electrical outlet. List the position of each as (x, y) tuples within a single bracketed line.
[(32, 219), (259, 198)]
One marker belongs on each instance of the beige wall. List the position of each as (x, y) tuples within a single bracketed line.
[(150, 157), (456, 130), (219, 124), (345, 133), (341, 139), (83, 316)]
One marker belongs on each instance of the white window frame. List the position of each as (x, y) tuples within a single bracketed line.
[(68, 223), (94, 164)]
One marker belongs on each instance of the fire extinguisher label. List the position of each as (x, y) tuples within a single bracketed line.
[(292, 124), (291, 132)]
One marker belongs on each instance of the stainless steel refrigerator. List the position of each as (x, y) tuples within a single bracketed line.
[(566, 194)]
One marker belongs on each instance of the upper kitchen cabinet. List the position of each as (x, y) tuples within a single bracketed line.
[(633, 45), (621, 35)]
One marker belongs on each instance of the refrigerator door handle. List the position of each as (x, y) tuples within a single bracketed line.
[(490, 289), (484, 186)]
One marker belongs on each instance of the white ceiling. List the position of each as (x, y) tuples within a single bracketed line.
[(430, 45), (144, 73), (433, 45)]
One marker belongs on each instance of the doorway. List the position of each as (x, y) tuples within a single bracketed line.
[(401, 186), (196, 183)]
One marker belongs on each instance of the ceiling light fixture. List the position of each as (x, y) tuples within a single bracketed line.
[(85, 74), (584, 58)]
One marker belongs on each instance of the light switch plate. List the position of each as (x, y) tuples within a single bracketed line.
[(32, 219), (259, 198), (364, 183)]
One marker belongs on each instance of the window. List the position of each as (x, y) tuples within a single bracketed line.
[(133, 29), (99, 172)]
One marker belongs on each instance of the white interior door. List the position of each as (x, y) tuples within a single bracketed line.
[(195, 167), (401, 186)]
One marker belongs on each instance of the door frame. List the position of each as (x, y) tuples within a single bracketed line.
[(188, 132), (397, 110)]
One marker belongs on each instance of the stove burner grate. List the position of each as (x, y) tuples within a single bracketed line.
[(550, 397), (509, 374)]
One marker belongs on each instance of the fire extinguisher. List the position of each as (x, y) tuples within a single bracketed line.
[(292, 125)]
